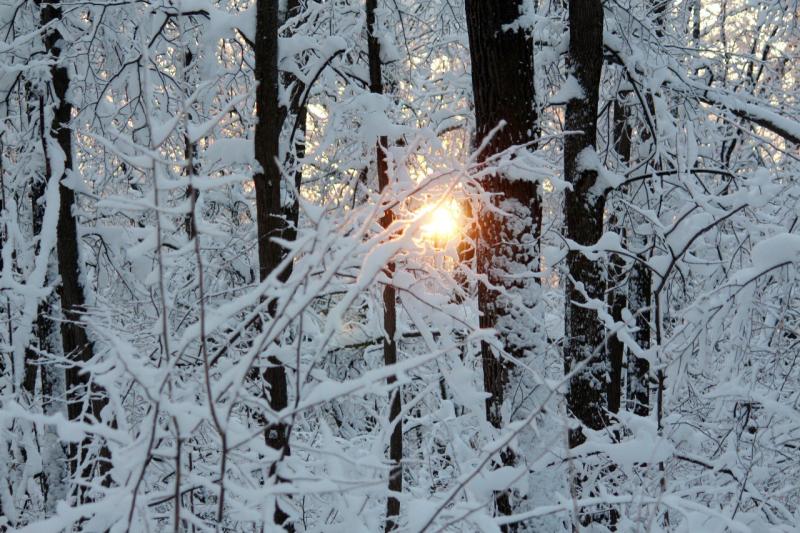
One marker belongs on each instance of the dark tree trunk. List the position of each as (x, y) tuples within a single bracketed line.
[(10, 333), (51, 376), (270, 220), (584, 343), (298, 112), (270, 213), (584, 332), (640, 281), (639, 302), (507, 246), (85, 400), (389, 309), (617, 297), (189, 151), (42, 325)]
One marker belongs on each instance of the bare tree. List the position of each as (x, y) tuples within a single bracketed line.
[(85, 399), (503, 88), (584, 333), (617, 295), (271, 220), (389, 304)]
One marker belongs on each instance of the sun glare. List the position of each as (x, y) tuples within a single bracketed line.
[(442, 222)]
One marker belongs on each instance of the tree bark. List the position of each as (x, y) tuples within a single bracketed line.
[(507, 246), (640, 284), (584, 333), (42, 325), (696, 8), (85, 400), (298, 110), (189, 150), (639, 302), (617, 297), (270, 216), (52, 376), (584, 346), (389, 303)]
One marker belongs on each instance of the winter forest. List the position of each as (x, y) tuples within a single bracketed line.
[(399, 266)]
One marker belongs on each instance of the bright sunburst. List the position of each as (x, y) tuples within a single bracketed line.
[(442, 221)]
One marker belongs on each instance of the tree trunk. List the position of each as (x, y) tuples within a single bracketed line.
[(4, 239), (617, 297), (52, 376), (299, 110), (42, 325), (76, 344), (640, 281), (507, 246), (270, 219), (639, 302), (189, 149), (584, 333), (584, 346), (389, 303)]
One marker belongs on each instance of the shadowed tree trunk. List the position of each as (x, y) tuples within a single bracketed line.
[(507, 244), (85, 400), (389, 304), (617, 297), (584, 343), (52, 376), (270, 212), (584, 332), (639, 302), (298, 113), (42, 326), (640, 281), (4, 238), (189, 149), (10, 338), (617, 294)]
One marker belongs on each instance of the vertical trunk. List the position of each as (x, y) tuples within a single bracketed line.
[(54, 458), (10, 334), (52, 376), (659, 9), (3, 215), (584, 346), (617, 299), (640, 281), (507, 246), (299, 111), (583, 336), (389, 310), (270, 219), (639, 302), (42, 324), (189, 150), (85, 400)]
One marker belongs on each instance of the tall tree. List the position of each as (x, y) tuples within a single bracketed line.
[(270, 212), (617, 295), (640, 302), (504, 92), (298, 112), (389, 304), (51, 376), (584, 336), (584, 203), (85, 399), (640, 284)]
